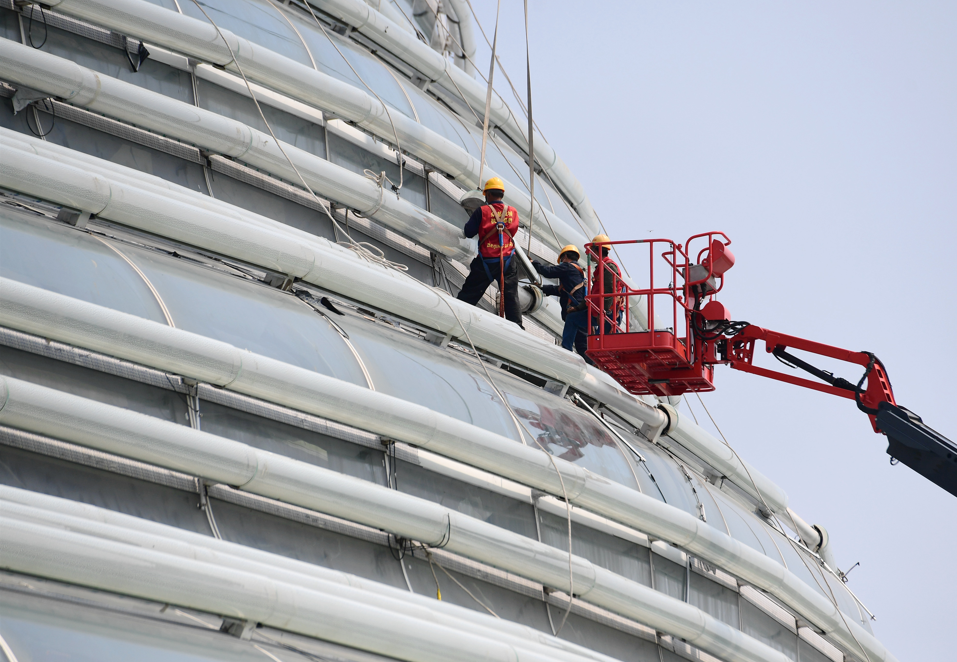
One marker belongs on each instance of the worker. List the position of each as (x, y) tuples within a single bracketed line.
[(608, 274), (495, 223), (571, 293)]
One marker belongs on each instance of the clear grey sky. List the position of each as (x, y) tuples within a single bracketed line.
[(822, 138)]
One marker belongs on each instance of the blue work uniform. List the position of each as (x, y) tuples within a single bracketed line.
[(571, 290)]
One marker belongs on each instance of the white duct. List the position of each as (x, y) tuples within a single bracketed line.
[(200, 40), (104, 427), (313, 259), (125, 336), (90, 520)]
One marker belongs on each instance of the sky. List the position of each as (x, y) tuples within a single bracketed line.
[(822, 138)]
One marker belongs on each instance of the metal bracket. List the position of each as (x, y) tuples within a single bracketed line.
[(74, 217), (556, 388), (24, 96), (241, 629), (438, 339), (280, 281)]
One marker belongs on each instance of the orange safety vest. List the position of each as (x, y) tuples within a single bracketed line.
[(613, 284), (489, 247)]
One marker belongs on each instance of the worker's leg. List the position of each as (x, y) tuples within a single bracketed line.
[(475, 283), (513, 311), (574, 323)]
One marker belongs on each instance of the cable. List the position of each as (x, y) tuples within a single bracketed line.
[(830, 591), (46, 28), (39, 133), (531, 132), (364, 249), (488, 92)]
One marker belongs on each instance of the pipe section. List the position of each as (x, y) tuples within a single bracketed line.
[(814, 536), (199, 39), (37, 311), (75, 419)]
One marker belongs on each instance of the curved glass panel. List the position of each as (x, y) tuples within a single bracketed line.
[(559, 206), (669, 577), (715, 599), (373, 72), (760, 529), (431, 115), (711, 510), (756, 623), (568, 432), (672, 484), (61, 259), (798, 563), (350, 155), (737, 523), (255, 20), (247, 315), (845, 602), (411, 369)]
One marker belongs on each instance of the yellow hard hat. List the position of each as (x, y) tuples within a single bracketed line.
[(601, 239), (494, 184), (570, 248)]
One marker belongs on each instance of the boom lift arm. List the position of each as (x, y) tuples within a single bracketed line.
[(681, 357)]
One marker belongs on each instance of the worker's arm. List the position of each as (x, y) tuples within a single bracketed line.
[(551, 290), (475, 220), (548, 270)]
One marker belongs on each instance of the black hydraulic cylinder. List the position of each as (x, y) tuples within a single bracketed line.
[(921, 448)]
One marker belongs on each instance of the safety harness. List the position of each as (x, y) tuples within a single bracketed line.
[(499, 226)]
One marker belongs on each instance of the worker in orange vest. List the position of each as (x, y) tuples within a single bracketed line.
[(495, 224), (606, 274)]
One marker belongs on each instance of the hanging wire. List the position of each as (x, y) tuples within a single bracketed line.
[(488, 92), (395, 132), (39, 132), (364, 249), (46, 28), (531, 132), (827, 586)]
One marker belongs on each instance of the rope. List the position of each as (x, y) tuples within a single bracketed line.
[(531, 133), (438, 591), (827, 585), (488, 92), (398, 146), (365, 250)]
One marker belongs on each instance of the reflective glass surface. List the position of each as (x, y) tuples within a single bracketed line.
[(288, 128), (738, 525), (670, 481), (94, 385), (297, 443), (113, 62), (669, 577), (9, 25), (793, 561), (254, 20), (765, 629), (808, 653), (56, 257), (620, 556), (349, 155), (488, 506), (247, 315), (715, 599), (432, 115), (41, 629), (603, 639)]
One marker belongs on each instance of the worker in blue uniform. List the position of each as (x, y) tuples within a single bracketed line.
[(571, 291)]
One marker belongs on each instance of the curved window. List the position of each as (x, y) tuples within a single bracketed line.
[(329, 61), (256, 21), (60, 259), (738, 524), (434, 117), (247, 315)]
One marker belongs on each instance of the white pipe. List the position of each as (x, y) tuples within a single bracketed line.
[(20, 64), (466, 36), (72, 418), (199, 39), (107, 524), (813, 535), (279, 248), (65, 319)]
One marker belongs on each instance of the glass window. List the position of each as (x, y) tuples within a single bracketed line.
[(39, 628), (668, 479), (294, 442), (373, 72), (507, 604), (113, 62), (271, 206), (445, 207), (559, 206), (437, 118), (669, 576), (254, 20), (737, 522), (808, 653), (604, 639), (288, 128), (247, 315), (349, 155), (845, 601), (102, 488), (107, 147), (715, 599), (793, 561), (55, 257), (471, 500), (756, 623), (94, 385), (10, 25), (712, 513), (308, 543), (568, 432), (620, 556)]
